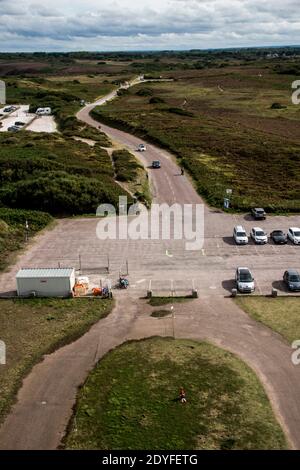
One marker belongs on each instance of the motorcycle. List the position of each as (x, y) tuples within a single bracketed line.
[(123, 283)]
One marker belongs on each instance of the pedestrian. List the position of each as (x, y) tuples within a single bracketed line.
[(182, 171), (182, 395)]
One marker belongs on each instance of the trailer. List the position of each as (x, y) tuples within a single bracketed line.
[(45, 282)]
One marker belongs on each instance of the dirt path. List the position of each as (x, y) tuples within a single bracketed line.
[(44, 406)]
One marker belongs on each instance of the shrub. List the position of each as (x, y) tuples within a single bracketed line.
[(126, 166), (156, 100), (180, 111), (60, 193), (144, 92), (277, 106)]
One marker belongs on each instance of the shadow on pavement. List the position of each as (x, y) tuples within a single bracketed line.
[(228, 284), (280, 285), (229, 241)]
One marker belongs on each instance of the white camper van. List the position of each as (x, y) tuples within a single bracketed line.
[(43, 111)]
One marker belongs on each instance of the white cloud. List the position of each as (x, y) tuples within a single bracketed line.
[(147, 24)]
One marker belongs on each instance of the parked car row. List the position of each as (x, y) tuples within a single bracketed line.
[(260, 237), (245, 283)]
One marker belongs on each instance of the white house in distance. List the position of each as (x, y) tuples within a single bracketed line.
[(43, 111), (45, 282)]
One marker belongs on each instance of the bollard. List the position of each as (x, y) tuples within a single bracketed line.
[(195, 294), (274, 292), (233, 292)]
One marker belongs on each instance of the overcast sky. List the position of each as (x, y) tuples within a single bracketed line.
[(60, 25)]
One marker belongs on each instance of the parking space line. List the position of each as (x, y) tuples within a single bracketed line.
[(258, 287)]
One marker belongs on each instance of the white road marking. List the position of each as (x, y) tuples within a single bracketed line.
[(258, 287)]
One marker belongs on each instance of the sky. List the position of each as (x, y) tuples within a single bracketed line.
[(103, 25)]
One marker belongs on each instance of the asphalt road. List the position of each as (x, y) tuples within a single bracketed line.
[(39, 418)]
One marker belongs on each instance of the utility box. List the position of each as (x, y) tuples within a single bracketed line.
[(45, 282)]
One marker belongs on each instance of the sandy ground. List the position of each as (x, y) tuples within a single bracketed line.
[(43, 124)]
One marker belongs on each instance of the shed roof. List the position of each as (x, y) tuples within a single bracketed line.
[(44, 272)]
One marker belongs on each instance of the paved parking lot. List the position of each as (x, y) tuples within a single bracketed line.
[(165, 263)]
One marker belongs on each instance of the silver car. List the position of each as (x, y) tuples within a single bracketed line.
[(244, 280)]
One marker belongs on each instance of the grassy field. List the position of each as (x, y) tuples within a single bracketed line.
[(32, 328), (280, 314), (12, 230), (223, 126), (130, 401)]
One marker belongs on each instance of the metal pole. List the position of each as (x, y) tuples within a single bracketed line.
[(79, 262), (173, 321), (108, 266)]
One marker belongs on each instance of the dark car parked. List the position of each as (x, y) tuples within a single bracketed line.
[(291, 278), (258, 213), (278, 236)]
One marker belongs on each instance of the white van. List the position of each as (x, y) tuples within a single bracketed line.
[(239, 235), (43, 111)]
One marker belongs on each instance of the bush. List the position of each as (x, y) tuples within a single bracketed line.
[(180, 111), (60, 193), (277, 106), (144, 92), (126, 166), (122, 92), (156, 100)]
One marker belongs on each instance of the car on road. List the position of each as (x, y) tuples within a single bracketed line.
[(278, 237), (244, 280), (258, 213), (156, 164), (259, 236), (294, 235), (291, 278), (19, 123), (239, 235), (142, 148)]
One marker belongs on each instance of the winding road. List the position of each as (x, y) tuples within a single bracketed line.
[(44, 406)]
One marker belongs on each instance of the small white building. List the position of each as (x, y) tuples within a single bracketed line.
[(45, 282)]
